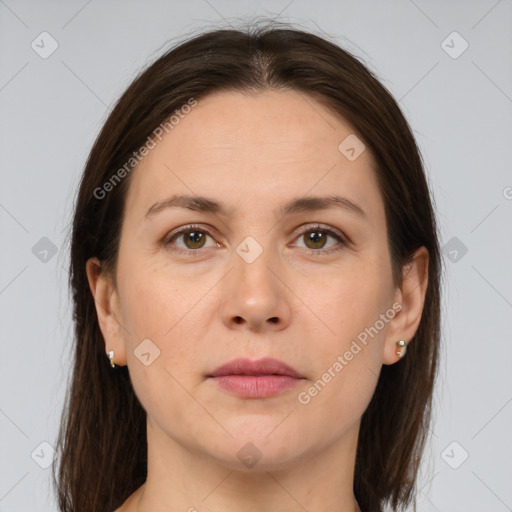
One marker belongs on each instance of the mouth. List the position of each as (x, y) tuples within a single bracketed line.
[(255, 379)]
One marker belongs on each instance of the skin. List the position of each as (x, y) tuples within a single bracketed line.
[(253, 153)]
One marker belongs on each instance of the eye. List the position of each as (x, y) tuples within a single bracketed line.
[(315, 239), (192, 237)]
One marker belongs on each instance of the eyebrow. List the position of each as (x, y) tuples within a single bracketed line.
[(301, 204)]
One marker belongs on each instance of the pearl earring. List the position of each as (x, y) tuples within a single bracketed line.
[(111, 357), (402, 346)]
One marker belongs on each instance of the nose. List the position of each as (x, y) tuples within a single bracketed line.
[(255, 296)]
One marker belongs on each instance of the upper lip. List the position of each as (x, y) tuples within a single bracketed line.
[(265, 366)]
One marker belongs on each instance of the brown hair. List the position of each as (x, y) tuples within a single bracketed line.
[(102, 446)]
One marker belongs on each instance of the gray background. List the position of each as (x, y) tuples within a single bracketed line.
[(460, 109)]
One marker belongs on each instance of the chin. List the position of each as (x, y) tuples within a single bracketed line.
[(260, 448)]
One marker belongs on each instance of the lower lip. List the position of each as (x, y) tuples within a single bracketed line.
[(250, 386)]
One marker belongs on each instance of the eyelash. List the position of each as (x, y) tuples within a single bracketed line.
[(318, 227)]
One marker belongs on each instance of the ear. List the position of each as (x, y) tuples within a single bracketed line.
[(107, 309), (411, 296)]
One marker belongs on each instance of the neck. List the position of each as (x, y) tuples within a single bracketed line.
[(181, 480)]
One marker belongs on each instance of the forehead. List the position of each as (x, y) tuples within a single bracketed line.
[(235, 146)]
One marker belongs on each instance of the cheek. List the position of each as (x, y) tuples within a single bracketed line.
[(347, 363), (160, 310), (355, 311), (171, 310), (350, 301), (156, 300)]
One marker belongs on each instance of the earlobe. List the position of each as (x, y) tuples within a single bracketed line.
[(107, 310), (411, 295)]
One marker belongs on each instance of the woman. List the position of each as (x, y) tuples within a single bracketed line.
[(254, 250)]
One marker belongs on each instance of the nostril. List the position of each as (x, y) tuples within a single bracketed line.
[(238, 319), (274, 319)]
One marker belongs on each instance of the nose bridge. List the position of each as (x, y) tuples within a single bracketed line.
[(253, 260)]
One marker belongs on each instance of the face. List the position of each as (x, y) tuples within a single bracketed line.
[(200, 286)]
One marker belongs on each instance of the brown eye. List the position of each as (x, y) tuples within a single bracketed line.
[(316, 239), (196, 239), (191, 240)]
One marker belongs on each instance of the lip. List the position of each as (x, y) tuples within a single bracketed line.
[(256, 379)]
